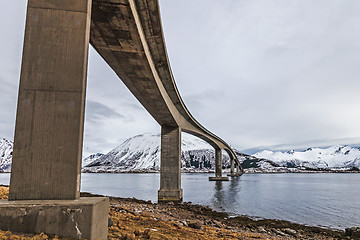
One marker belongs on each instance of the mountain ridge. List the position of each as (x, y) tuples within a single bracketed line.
[(141, 153), (335, 157)]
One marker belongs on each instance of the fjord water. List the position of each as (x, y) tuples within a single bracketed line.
[(324, 199)]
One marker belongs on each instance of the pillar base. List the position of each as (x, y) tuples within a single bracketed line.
[(218, 179), (165, 195), (78, 219)]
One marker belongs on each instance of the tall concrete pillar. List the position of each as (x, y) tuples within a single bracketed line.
[(50, 114), (218, 167), (232, 166), (218, 163), (49, 125), (238, 171), (170, 167)]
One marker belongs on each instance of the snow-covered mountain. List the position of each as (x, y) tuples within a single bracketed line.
[(335, 157), (139, 153), (142, 153), (6, 148)]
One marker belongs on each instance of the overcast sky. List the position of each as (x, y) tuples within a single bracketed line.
[(274, 74)]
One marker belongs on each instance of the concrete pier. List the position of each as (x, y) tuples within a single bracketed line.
[(232, 171), (50, 114), (232, 161), (45, 176), (170, 170), (85, 218), (218, 167), (238, 170), (232, 167)]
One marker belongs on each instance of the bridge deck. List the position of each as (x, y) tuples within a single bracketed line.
[(129, 37)]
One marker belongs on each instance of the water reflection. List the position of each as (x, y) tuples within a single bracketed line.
[(218, 198), (225, 194), (234, 190)]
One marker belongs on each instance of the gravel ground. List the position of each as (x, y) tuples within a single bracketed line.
[(136, 219)]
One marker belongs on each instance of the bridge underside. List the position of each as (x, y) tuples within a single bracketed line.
[(50, 115), (128, 35)]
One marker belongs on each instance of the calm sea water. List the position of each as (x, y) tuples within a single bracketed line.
[(327, 200)]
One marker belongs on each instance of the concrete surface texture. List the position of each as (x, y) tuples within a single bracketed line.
[(170, 169), (85, 218), (50, 114)]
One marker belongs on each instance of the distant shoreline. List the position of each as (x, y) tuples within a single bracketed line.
[(254, 172)]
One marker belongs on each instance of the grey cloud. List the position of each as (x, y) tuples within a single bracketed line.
[(96, 111), (255, 72)]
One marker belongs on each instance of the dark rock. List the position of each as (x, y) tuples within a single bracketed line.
[(195, 224), (110, 222), (353, 232)]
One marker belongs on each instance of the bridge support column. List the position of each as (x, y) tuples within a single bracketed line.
[(170, 169), (234, 173), (232, 167), (238, 171), (45, 176), (218, 167)]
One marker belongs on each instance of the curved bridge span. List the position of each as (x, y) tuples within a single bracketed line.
[(129, 37), (47, 155)]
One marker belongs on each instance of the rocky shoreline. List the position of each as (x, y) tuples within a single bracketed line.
[(136, 219)]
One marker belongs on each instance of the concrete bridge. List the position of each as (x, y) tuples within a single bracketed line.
[(128, 35), (45, 179)]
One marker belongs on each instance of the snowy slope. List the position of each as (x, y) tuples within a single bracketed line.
[(136, 153), (6, 148), (142, 153), (91, 158), (139, 153), (316, 158)]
